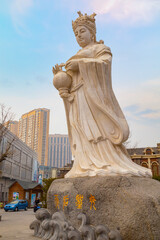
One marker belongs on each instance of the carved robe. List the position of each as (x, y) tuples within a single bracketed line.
[(96, 125)]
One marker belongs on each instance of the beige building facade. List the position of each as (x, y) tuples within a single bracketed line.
[(59, 151), (148, 157), (12, 126), (34, 131), (21, 165)]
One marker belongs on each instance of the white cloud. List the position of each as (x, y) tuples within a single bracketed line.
[(18, 10), (142, 110), (153, 83), (146, 97), (143, 135), (20, 7), (128, 11), (154, 115)]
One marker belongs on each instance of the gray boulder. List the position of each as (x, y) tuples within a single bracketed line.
[(131, 204)]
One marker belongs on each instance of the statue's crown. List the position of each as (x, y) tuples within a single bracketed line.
[(85, 20)]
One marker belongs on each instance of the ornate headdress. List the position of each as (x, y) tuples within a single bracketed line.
[(85, 20)]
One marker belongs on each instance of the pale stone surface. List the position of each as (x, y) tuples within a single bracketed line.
[(131, 203), (96, 125), (56, 227), (15, 225)]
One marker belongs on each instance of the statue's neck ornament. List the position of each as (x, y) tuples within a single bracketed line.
[(85, 20)]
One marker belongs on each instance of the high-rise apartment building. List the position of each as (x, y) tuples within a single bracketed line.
[(12, 126), (34, 131), (59, 152)]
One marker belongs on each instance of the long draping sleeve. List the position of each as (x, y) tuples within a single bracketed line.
[(106, 112)]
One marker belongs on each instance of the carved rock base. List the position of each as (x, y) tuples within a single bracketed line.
[(130, 203), (56, 227)]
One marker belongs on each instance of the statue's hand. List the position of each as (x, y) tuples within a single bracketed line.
[(57, 68), (63, 95), (72, 66), (67, 96)]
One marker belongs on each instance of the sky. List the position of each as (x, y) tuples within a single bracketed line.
[(36, 34)]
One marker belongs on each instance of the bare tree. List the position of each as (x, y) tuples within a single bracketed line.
[(6, 116)]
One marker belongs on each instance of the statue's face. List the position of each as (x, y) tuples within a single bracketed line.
[(83, 36)]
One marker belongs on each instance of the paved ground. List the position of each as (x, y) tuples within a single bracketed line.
[(15, 225)]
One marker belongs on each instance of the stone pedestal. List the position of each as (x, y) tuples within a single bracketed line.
[(130, 203)]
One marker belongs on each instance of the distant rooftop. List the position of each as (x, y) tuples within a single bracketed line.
[(140, 151), (26, 185), (37, 109)]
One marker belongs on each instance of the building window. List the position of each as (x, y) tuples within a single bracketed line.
[(144, 165), (58, 156), (54, 159), (148, 151), (50, 156), (61, 156)]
